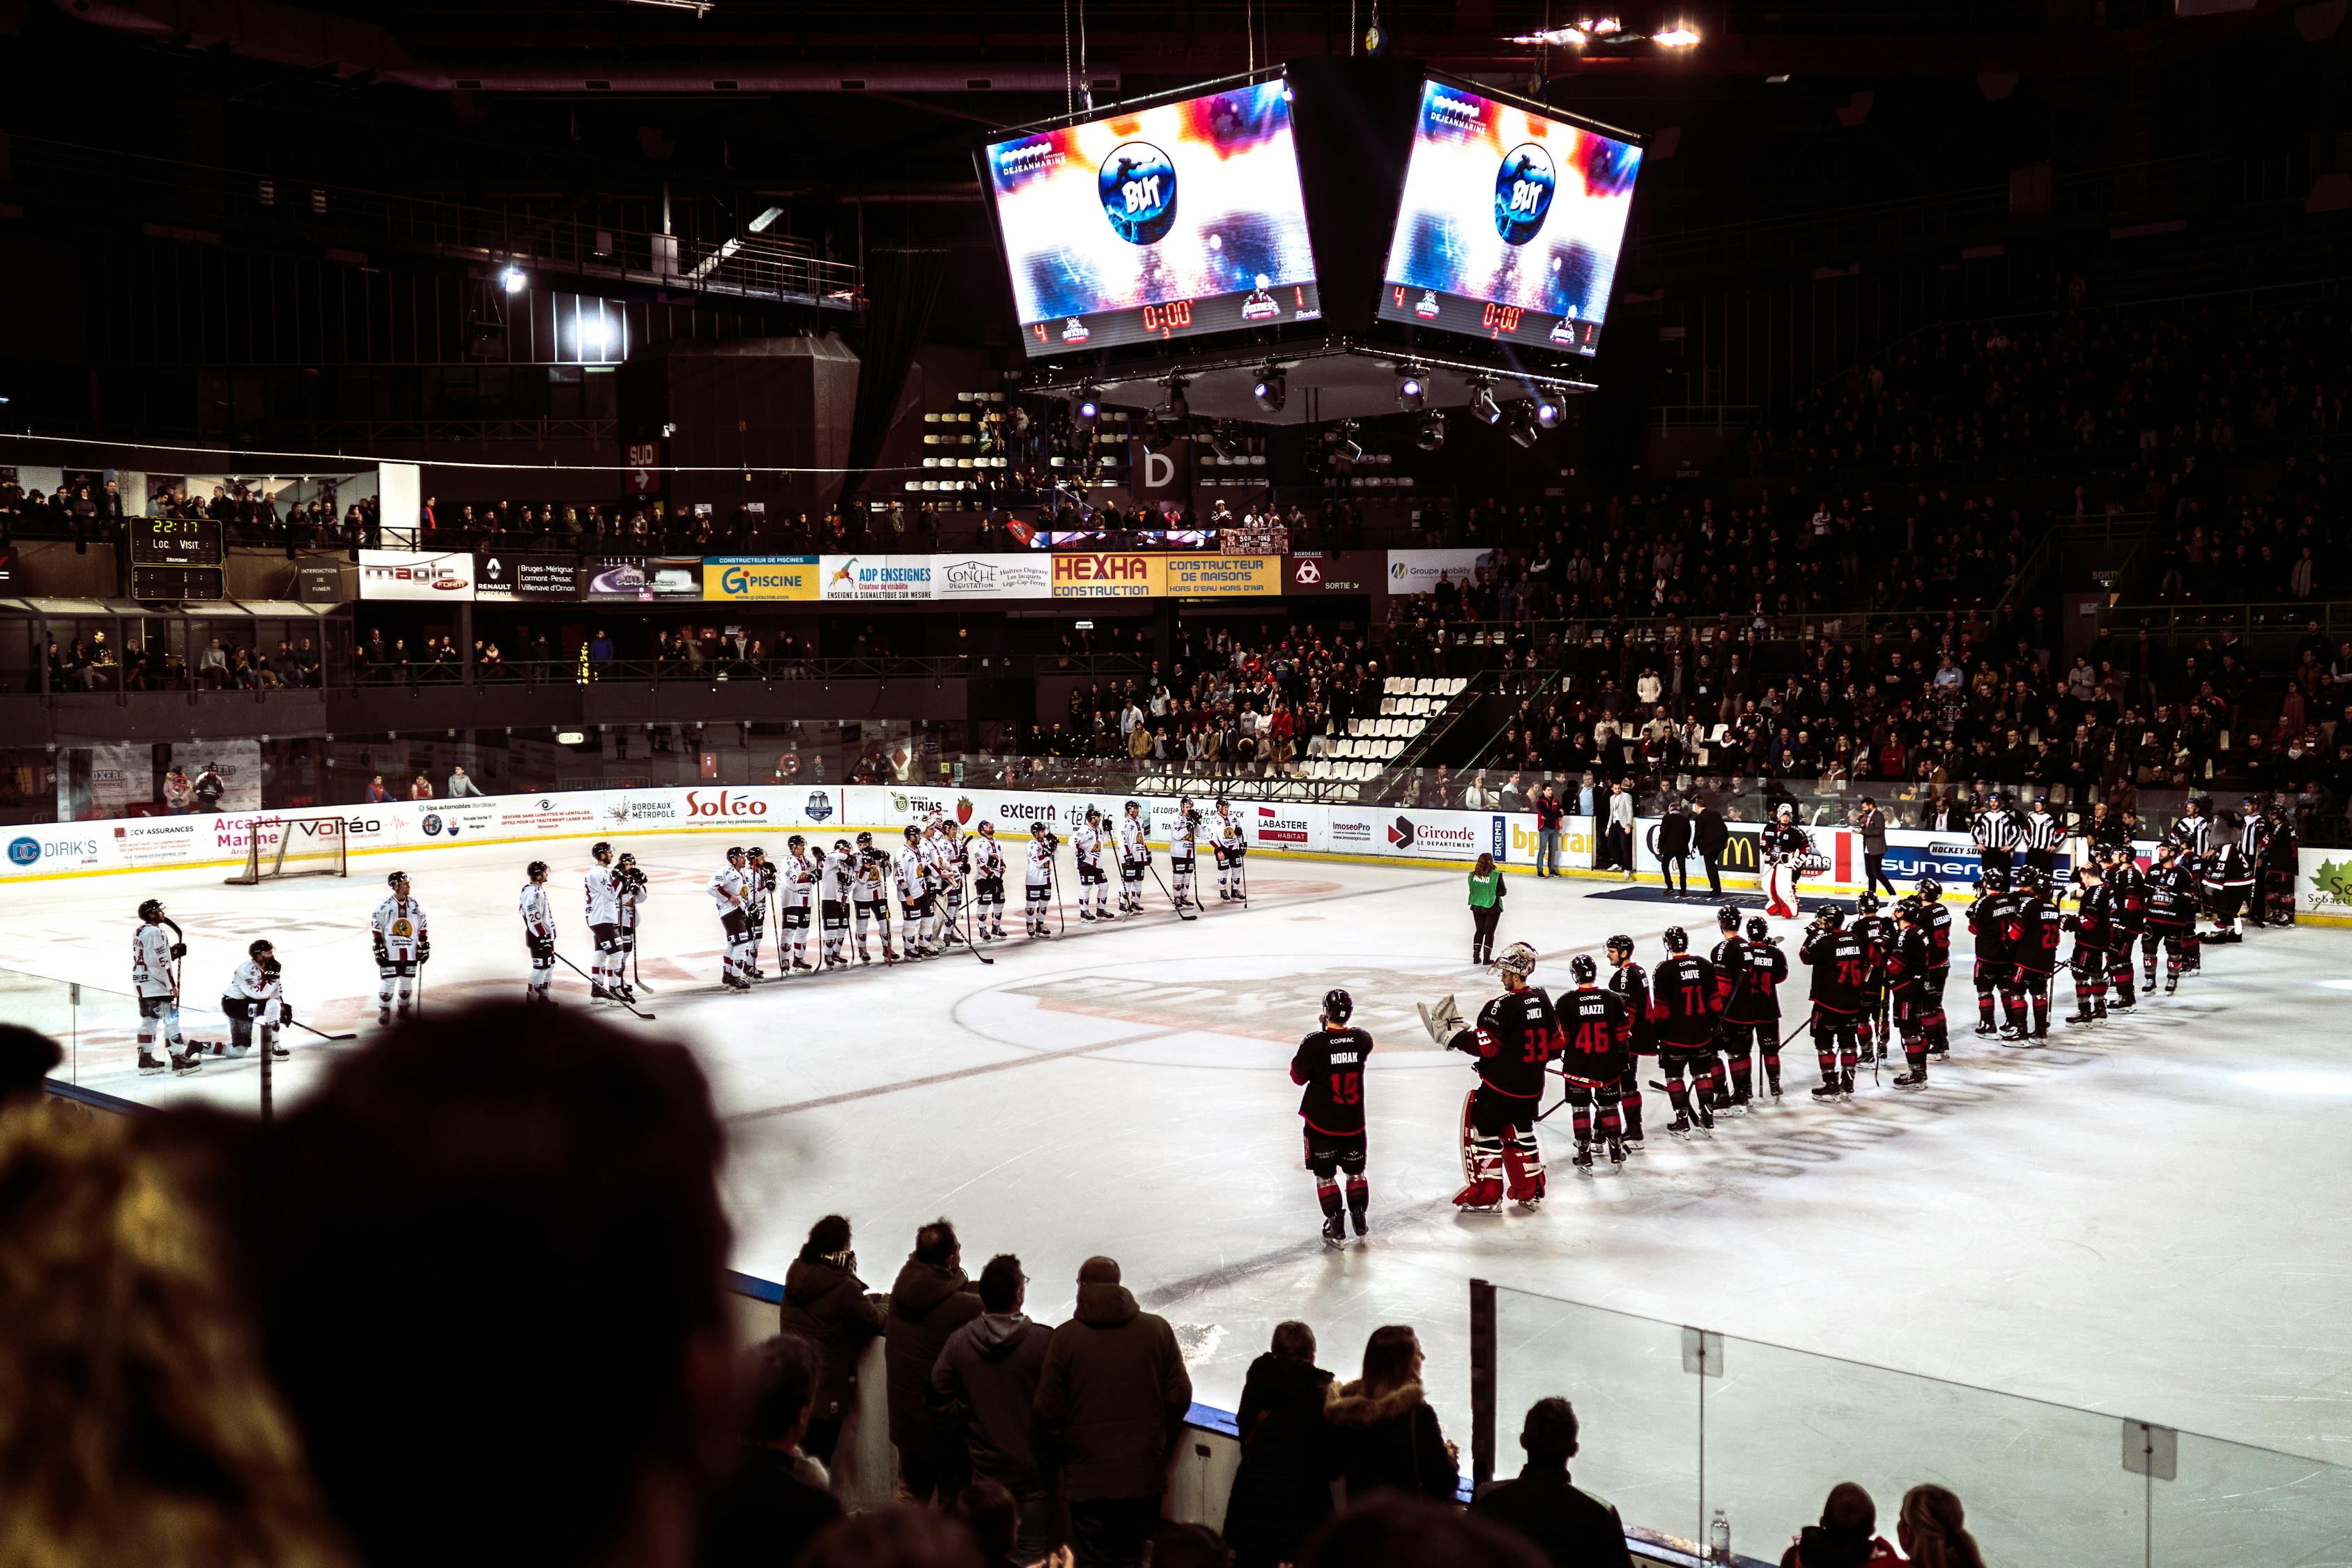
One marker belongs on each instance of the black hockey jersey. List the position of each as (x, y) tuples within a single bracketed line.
[(1756, 990), (2171, 898), (1879, 933), (1515, 1035), (2093, 920), (1630, 984), (2127, 887), (1938, 921), (1908, 961), (2034, 926), (1988, 920), (1597, 1037), (1683, 1000), (1841, 963), (1330, 1063)]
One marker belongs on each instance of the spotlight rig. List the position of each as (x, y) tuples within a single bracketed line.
[(1482, 401), (1412, 391), (1273, 388)]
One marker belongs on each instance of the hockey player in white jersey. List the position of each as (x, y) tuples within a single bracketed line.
[(987, 882), (633, 893), (1091, 846), (1183, 849), (1134, 858), (155, 952), (796, 879), (945, 879), (911, 867), (761, 874), (1039, 879), (944, 843), (1232, 842), (537, 911), (603, 886), (256, 995), (836, 884), (730, 889), (869, 895), (402, 945)]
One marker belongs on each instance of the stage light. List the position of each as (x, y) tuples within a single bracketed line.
[(1558, 37), (1272, 388), (596, 335), (1482, 402), (1178, 407), (1344, 446), (1677, 37), (1547, 410), (1520, 423), (1411, 391), (513, 279), (1221, 440), (1432, 433), (1084, 406)]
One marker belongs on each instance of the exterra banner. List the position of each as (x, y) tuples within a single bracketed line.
[(736, 579)]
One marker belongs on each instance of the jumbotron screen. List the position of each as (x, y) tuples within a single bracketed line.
[(1509, 226), (1168, 222)]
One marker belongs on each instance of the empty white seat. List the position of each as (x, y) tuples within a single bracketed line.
[(1420, 685), (1388, 705), (1455, 685), (1356, 725), (1395, 683)]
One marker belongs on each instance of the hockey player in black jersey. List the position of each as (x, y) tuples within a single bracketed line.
[(1906, 964), (1878, 933), (1936, 922), (1596, 1044), (1841, 965), (2093, 923), (1515, 1036), (2172, 900), (2126, 887), (1996, 968), (1630, 985), (2036, 928), (1329, 1063), (2281, 859), (1685, 1001), (1750, 1026)]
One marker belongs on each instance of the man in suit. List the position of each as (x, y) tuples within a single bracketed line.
[(1675, 844), (1709, 835)]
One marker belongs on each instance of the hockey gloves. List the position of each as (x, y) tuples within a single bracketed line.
[(1443, 1020)]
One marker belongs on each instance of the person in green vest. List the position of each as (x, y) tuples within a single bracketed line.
[(1487, 890)]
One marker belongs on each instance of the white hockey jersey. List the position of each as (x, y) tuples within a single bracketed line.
[(604, 887), (1087, 844), (908, 868), (729, 889), (796, 875), (1230, 834), (939, 868), (840, 871), (1182, 838), (251, 983), (1041, 862), (150, 960), (537, 911), (869, 871), (399, 927), (626, 903), (987, 858), (1131, 846)]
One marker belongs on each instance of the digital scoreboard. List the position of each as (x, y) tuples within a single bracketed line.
[(174, 558), (1174, 220), (1511, 223)]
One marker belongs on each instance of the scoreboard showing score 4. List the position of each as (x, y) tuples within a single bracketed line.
[(1170, 220), (1511, 223), (175, 558)]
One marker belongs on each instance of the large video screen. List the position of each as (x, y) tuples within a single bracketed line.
[(1167, 222), (1510, 224)]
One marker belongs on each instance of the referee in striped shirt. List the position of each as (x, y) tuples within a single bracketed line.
[(2193, 832), (1995, 830), (2044, 834)]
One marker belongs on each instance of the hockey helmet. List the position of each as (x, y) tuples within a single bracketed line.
[(1758, 928), (755, 853), (396, 879), (1619, 944), (1677, 940), (1993, 881), (1831, 915), (987, 827), (1727, 917), (841, 846), (1132, 805), (1907, 910), (1931, 888), (1036, 829), (1868, 904), (1518, 959), (258, 946), (152, 911), (1337, 1005), (1787, 810), (913, 831), (535, 870), (627, 860), (735, 852), (1093, 814), (864, 841), (795, 843), (1580, 969), (602, 851)]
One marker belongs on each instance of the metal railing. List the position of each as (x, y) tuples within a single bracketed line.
[(2172, 622)]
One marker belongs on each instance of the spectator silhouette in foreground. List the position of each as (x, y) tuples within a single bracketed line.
[(1847, 1536), (904, 1535), (1397, 1531), (1282, 1491), (137, 1424), (931, 1299), (988, 1373), (27, 1058), (1385, 1434), (1112, 1397), (486, 1258), (825, 1303), (1933, 1530), (779, 1498), (1575, 1529)]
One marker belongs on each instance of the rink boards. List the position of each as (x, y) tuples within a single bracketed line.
[(1405, 836)]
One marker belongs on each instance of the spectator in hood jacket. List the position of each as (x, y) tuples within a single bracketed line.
[(1113, 1396), (825, 1303), (988, 1373), (931, 1299)]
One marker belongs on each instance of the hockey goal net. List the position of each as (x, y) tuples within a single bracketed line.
[(279, 846)]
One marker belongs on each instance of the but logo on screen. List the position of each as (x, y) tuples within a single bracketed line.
[(1137, 186), (1523, 193)]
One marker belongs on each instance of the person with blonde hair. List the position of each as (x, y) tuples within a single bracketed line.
[(1932, 1530), (136, 1422)]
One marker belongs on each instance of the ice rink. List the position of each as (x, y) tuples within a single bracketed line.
[(2148, 1221)]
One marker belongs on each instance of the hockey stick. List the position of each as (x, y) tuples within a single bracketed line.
[(1054, 875), (956, 923), (608, 994), (321, 1033), (1164, 893)]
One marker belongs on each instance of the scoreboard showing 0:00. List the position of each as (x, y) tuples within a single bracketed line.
[(1510, 224), (175, 559)]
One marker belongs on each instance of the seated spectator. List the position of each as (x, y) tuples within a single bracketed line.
[(377, 794), (1283, 1490), (1112, 1397), (405, 1230), (422, 789), (1847, 1536), (137, 1423), (459, 785), (1932, 1530), (1396, 1532), (988, 1372), (1385, 1434), (929, 1300), (988, 1511), (779, 1498), (825, 1303), (901, 1536), (1575, 1529)]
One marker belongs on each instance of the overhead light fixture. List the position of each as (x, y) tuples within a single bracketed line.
[(1601, 26), (1178, 408), (596, 335), (1547, 409), (1677, 37), (1085, 407), (1432, 433), (700, 8), (1555, 38), (1272, 389), (1221, 440), (1346, 449), (1411, 391), (1781, 80), (1482, 401), (513, 279), (1520, 423)]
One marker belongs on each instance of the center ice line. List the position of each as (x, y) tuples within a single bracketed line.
[(930, 1078)]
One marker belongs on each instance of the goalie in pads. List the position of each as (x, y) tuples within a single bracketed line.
[(1515, 1036)]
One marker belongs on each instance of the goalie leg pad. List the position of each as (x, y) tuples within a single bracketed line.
[(1482, 1160)]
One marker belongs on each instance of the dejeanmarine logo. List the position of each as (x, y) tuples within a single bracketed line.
[(1138, 186)]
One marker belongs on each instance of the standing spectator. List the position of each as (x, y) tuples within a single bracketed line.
[(1487, 890), (1709, 835), (1385, 1434), (1620, 828), (422, 789), (1112, 1398), (1872, 824), (1283, 1488), (179, 793), (1548, 826), (825, 1303), (988, 1371), (28, 1056), (600, 648), (779, 1497), (210, 786), (377, 794), (1847, 1536), (1674, 845), (1575, 1529), (931, 1299), (1932, 1530), (459, 785)]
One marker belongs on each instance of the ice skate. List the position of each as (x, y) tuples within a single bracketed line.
[(1616, 1151), (384, 1015), (187, 1063), (150, 1065), (1826, 1092), (1680, 1127), (1362, 1223), (600, 993), (1582, 1158), (1633, 1144), (1915, 1078), (1335, 1231), (281, 1052)]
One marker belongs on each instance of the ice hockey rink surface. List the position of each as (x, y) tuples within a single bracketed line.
[(2154, 1220)]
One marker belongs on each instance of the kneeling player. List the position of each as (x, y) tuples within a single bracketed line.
[(1512, 1042), (1329, 1063), (1597, 1043), (256, 996)]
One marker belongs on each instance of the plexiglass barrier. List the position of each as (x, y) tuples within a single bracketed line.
[(1679, 1423)]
